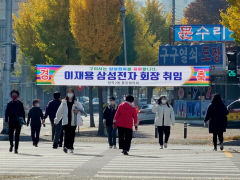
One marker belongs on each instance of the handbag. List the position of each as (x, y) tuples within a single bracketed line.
[(21, 121), (80, 121)]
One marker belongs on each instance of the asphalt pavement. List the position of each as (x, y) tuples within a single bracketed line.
[(96, 161)]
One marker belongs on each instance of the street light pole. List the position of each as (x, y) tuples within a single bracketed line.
[(7, 63), (123, 15)]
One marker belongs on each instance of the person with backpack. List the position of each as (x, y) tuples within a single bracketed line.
[(164, 119), (216, 117), (14, 118), (108, 116), (124, 119), (51, 111), (35, 119)]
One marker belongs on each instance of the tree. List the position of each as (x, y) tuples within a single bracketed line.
[(158, 20), (231, 18), (205, 11), (42, 32), (96, 26)]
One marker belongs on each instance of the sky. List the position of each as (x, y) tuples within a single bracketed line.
[(180, 5)]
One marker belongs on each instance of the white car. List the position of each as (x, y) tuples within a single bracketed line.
[(145, 114)]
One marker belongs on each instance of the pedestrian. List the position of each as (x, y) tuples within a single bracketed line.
[(14, 118), (70, 112), (125, 118), (217, 119), (35, 118), (51, 110), (108, 116), (164, 119)]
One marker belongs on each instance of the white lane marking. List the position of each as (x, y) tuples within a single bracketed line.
[(167, 173)]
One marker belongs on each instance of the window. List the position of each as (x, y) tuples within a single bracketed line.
[(235, 105)]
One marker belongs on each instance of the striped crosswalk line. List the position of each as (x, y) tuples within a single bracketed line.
[(169, 164), (42, 161)]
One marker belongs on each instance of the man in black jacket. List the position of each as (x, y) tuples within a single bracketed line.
[(35, 116), (51, 110), (14, 111), (108, 116)]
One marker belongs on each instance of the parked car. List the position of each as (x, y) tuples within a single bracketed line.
[(83, 99), (234, 111), (145, 114), (95, 105), (142, 102)]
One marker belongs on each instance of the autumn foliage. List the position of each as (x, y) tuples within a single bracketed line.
[(97, 27), (231, 18)]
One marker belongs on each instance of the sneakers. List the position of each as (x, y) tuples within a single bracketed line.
[(16, 151), (215, 149), (110, 147), (165, 145), (71, 151), (125, 153), (115, 147), (65, 150), (11, 149), (161, 146), (221, 146)]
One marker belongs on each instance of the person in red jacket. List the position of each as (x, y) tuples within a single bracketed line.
[(124, 119)]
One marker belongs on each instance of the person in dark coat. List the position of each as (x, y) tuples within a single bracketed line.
[(108, 116), (217, 118), (14, 111), (35, 118), (51, 110)]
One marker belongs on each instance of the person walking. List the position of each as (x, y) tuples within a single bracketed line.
[(51, 110), (14, 118), (124, 119), (216, 117), (108, 115), (164, 119), (70, 112), (35, 118)]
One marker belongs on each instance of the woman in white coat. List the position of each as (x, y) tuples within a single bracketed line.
[(70, 112), (164, 119)]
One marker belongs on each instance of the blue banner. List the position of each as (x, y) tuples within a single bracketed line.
[(202, 33), (197, 55)]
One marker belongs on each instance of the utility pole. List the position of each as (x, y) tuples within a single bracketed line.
[(7, 63), (123, 15), (173, 12)]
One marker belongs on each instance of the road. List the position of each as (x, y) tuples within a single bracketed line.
[(96, 161)]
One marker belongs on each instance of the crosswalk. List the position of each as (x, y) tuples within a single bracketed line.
[(173, 163), (44, 160)]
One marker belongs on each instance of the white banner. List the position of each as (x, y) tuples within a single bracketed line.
[(73, 75)]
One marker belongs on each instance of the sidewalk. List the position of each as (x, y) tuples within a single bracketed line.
[(196, 134)]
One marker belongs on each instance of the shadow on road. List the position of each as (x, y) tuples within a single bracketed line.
[(94, 155), (232, 143), (144, 156), (24, 154)]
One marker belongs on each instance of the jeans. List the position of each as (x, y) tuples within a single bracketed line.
[(35, 131), (125, 138), (112, 135), (220, 137), (17, 129), (161, 131), (58, 135), (69, 136)]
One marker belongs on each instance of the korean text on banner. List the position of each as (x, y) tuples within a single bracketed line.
[(193, 55), (74, 75), (202, 33)]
